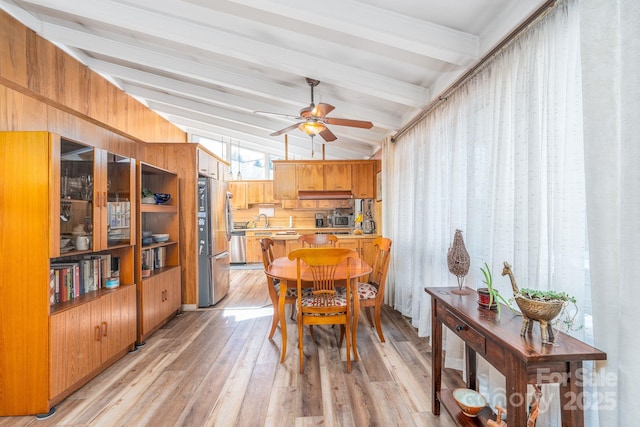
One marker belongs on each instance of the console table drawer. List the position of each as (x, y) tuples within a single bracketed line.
[(469, 335)]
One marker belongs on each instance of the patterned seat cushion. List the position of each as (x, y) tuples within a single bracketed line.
[(308, 300), (292, 292), (367, 291)]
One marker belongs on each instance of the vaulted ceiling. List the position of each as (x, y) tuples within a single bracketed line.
[(209, 65)]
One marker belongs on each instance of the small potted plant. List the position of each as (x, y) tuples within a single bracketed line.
[(489, 297), (549, 308), (148, 198), (146, 270)]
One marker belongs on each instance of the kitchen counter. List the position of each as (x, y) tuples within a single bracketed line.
[(286, 236), (286, 239)]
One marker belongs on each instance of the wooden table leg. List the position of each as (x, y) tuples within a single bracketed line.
[(436, 358), (471, 367), (354, 323), (516, 382), (283, 318), (571, 397)]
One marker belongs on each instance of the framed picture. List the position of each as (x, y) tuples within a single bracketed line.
[(379, 186)]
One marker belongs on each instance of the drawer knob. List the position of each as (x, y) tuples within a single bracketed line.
[(461, 328)]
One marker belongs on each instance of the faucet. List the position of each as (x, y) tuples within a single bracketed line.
[(266, 220)]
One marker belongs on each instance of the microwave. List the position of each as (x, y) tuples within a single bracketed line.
[(343, 220)]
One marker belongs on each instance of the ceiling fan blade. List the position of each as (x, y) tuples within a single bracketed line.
[(306, 111), (267, 113), (347, 122), (285, 130), (327, 135), (322, 110)]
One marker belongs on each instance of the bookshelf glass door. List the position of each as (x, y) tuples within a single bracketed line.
[(77, 180)]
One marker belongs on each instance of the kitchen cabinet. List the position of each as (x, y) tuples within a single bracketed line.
[(285, 186), (363, 185), (162, 258), (239, 191), (363, 245), (310, 176), (209, 166), (317, 204), (254, 253), (337, 176), (260, 192), (357, 176), (52, 186), (292, 245)]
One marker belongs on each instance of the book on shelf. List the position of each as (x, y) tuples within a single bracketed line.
[(69, 282), (52, 286)]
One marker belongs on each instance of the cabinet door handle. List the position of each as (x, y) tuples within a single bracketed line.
[(104, 327), (461, 328), (97, 333), (104, 199)]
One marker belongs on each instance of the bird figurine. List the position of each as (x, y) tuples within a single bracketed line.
[(458, 261)]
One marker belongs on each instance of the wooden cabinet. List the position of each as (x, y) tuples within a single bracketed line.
[(90, 335), (317, 204), (363, 184), (75, 341), (357, 176), (159, 293), (95, 197), (254, 253), (337, 176), (183, 159), (260, 192), (48, 348), (209, 166), (310, 176), (363, 245), (159, 301), (285, 186), (239, 191), (247, 193)]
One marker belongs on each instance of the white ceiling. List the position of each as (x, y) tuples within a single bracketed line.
[(207, 65)]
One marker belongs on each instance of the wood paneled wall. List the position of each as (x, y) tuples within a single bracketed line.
[(43, 88)]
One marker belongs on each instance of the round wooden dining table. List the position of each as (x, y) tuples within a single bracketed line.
[(286, 270)]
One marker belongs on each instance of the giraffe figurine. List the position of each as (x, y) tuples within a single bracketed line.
[(546, 330)]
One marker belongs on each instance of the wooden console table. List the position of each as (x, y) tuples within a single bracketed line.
[(522, 360)]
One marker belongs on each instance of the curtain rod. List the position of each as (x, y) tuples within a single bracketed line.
[(452, 87)]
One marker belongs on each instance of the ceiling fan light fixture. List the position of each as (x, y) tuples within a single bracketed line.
[(312, 127)]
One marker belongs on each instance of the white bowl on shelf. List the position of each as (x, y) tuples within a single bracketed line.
[(159, 238)]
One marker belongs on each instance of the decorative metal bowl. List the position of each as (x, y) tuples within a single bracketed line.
[(539, 310)]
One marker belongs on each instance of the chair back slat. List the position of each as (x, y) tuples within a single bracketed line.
[(317, 240)]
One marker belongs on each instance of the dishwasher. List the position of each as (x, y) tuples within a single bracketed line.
[(238, 244)]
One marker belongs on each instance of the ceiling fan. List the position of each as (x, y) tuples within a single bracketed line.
[(314, 120)]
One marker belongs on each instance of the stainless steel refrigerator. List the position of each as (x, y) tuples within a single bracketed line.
[(215, 224)]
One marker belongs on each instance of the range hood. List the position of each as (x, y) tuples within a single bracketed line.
[(324, 195)]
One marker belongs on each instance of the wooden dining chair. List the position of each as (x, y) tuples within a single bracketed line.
[(273, 286), (317, 240), (327, 304), (371, 292)]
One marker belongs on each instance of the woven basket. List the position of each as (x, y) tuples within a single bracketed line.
[(539, 310)]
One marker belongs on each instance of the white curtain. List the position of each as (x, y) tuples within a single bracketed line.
[(503, 160), (611, 70)]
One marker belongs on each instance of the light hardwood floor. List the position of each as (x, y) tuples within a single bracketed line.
[(217, 367)]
